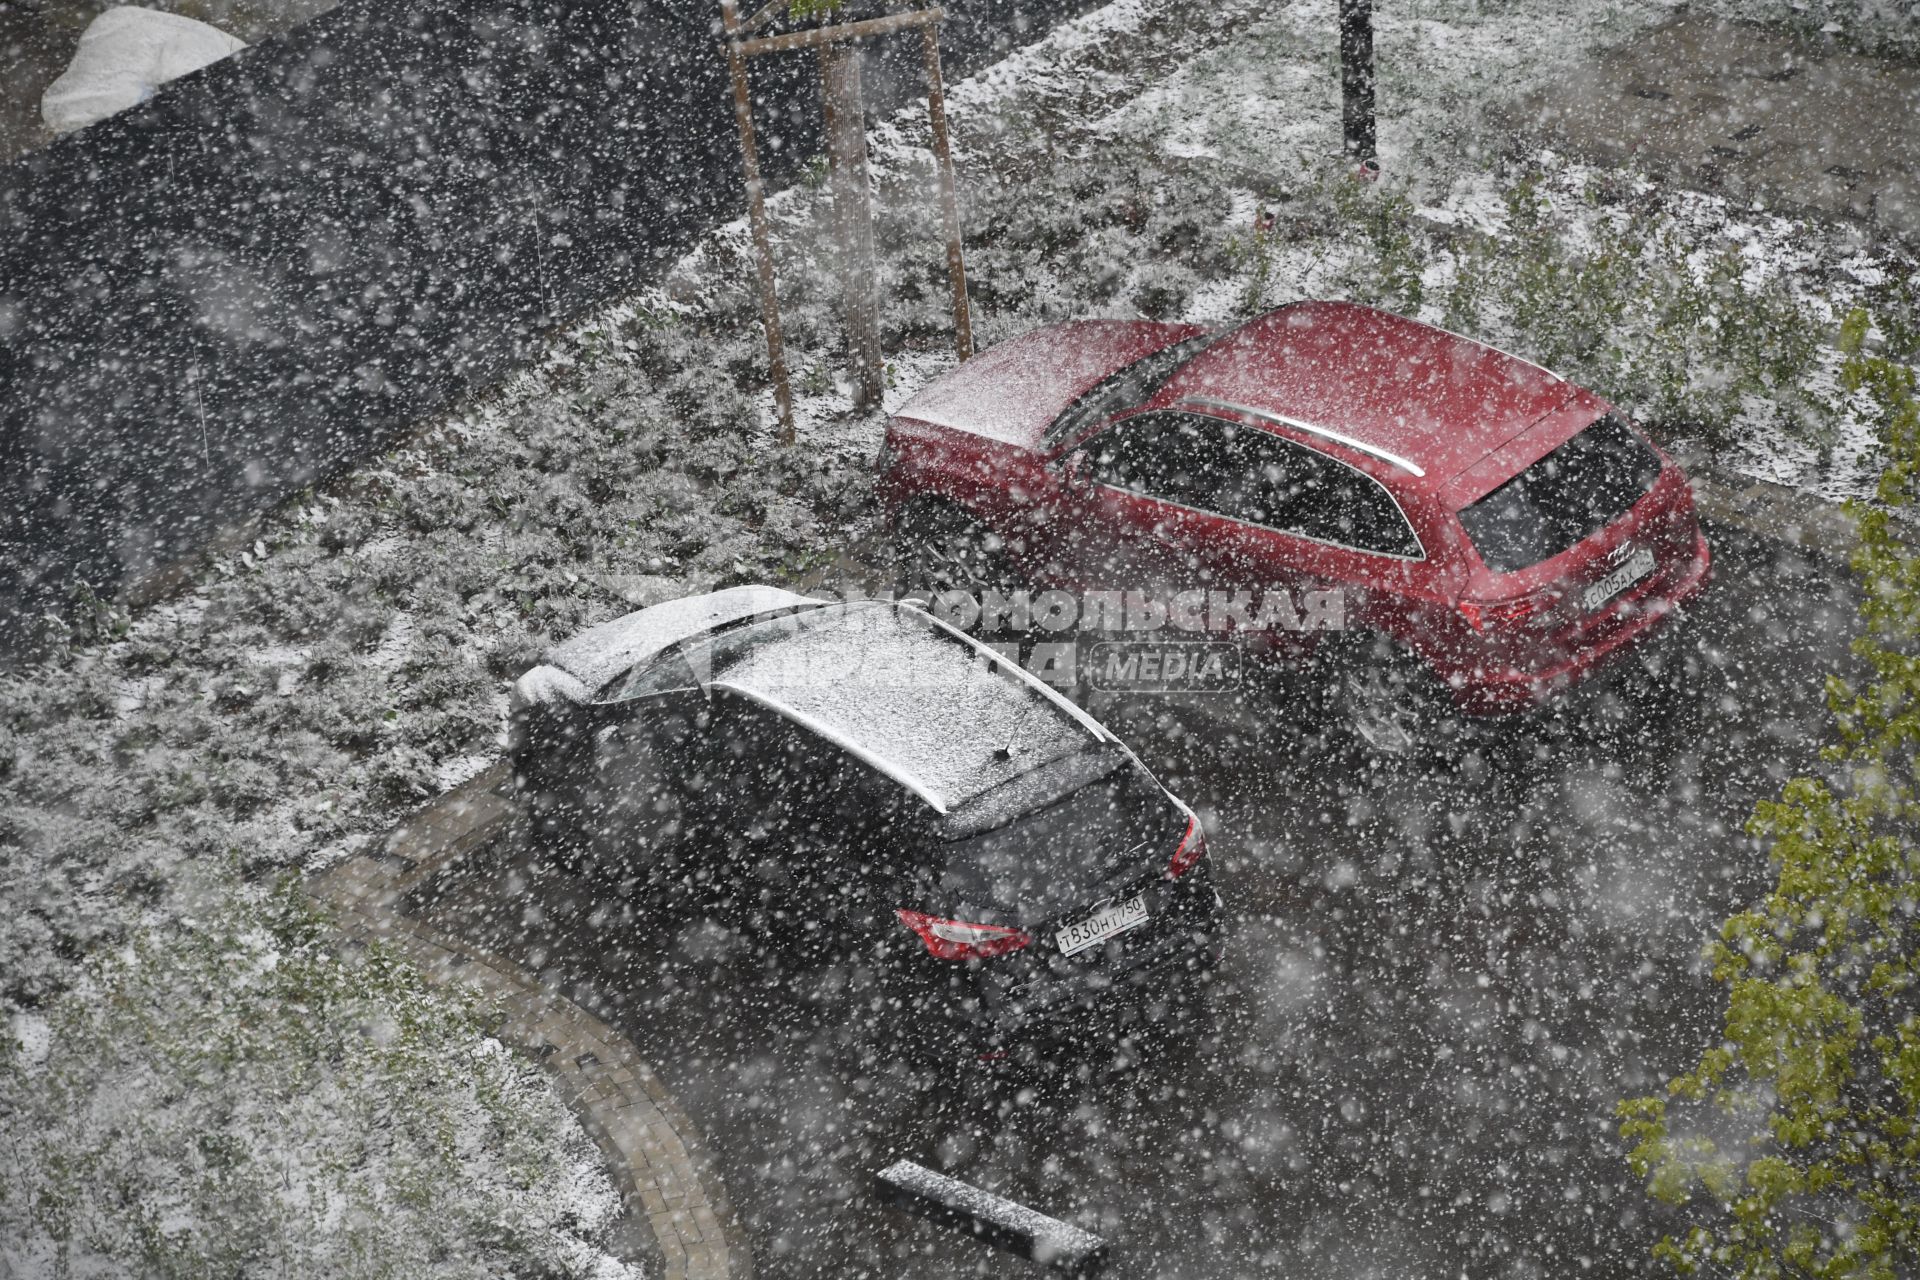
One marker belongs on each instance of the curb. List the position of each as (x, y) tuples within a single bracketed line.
[(1768, 510), (656, 1158)]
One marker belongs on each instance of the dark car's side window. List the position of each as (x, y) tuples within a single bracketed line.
[(792, 810), (762, 772), (666, 673), (751, 766)]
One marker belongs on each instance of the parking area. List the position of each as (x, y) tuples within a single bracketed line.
[(1437, 983)]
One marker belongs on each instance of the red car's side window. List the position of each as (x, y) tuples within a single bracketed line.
[(1300, 490), (1156, 455), (1251, 476)]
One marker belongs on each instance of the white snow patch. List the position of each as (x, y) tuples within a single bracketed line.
[(451, 773), (33, 1037), (600, 653), (124, 56)]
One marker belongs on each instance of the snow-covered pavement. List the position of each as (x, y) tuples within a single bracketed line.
[(1436, 988)]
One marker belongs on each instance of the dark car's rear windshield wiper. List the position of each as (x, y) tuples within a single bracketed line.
[(1127, 386), (1033, 789), (1051, 855)]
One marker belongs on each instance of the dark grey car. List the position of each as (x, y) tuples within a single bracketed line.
[(863, 779)]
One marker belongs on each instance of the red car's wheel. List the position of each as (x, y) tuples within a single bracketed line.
[(1390, 702)]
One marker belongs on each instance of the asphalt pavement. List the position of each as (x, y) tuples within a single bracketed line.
[(1437, 984)]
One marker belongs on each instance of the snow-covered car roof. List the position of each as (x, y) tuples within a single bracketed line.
[(930, 707), (600, 653)]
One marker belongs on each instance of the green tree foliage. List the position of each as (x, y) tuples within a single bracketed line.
[(1794, 1144)]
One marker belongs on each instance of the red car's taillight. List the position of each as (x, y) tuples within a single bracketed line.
[(958, 940), (1503, 615), (1192, 848)]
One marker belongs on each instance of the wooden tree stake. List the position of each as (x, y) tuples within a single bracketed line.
[(847, 160), (949, 199), (853, 217), (757, 219)]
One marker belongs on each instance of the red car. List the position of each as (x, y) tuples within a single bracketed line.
[(1494, 533)]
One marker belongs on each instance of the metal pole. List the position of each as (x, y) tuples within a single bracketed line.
[(757, 219), (1356, 79), (853, 214), (949, 201)]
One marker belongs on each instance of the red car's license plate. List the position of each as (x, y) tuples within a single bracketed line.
[(1638, 566)]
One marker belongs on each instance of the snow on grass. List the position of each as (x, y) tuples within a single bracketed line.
[(1789, 280), (323, 1108), (1149, 159), (1269, 99)]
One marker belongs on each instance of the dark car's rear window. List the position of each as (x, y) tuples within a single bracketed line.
[(1575, 491), (1054, 855)]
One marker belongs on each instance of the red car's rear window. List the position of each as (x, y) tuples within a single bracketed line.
[(1572, 493)]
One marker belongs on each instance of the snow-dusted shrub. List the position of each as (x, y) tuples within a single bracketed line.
[(235, 1093), (1614, 291)]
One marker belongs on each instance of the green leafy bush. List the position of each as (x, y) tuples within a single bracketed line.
[(1624, 299), (1794, 1144)]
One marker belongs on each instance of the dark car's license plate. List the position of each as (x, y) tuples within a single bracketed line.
[(1115, 918)]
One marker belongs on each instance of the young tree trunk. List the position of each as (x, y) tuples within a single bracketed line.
[(1356, 78), (757, 219)]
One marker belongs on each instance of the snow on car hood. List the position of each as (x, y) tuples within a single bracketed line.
[(1012, 392), (600, 653)]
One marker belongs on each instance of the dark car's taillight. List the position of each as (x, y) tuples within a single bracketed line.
[(958, 940), (1192, 848)]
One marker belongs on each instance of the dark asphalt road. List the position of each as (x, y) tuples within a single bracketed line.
[(1436, 987)]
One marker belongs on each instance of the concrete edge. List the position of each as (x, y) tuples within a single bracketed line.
[(657, 1160), (1768, 510)]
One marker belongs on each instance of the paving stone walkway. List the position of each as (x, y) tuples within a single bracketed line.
[(678, 1223), (1772, 511)]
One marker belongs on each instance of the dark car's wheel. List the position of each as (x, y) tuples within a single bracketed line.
[(1390, 702), (938, 548), (553, 805)]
